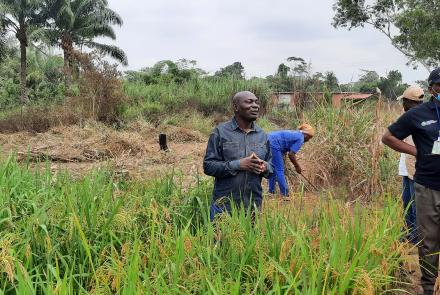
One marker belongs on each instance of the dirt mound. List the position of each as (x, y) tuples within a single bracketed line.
[(182, 135)]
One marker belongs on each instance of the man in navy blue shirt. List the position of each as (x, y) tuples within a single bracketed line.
[(423, 124), (238, 156)]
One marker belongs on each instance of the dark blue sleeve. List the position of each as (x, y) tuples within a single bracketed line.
[(214, 163), (403, 127)]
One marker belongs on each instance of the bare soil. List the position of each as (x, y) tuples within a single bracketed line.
[(133, 152)]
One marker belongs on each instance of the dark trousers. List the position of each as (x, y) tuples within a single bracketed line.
[(224, 205), (410, 209), (428, 224)]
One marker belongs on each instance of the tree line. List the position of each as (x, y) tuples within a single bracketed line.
[(294, 74)]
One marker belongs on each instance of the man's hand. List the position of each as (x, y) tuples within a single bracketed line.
[(295, 163), (253, 164), (263, 166)]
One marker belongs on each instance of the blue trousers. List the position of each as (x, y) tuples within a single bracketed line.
[(224, 206), (410, 208), (217, 209), (278, 175)]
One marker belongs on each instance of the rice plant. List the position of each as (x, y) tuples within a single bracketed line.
[(95, 235)]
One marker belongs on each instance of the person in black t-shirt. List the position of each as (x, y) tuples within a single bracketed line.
[(423, 124)]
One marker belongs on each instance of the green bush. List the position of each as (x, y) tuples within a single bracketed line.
[(206, 95), (45, 80)]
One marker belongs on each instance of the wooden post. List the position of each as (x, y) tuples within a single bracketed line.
[(163, 142)]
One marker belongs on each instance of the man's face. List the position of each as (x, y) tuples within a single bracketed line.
[(247, 108), (409, 104), (434, 89), (307, 137)]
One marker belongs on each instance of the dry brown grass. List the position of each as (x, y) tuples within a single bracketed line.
[(38, 119), (347, 154), (132, 152)]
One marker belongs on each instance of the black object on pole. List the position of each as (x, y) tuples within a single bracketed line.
[(163, 142)]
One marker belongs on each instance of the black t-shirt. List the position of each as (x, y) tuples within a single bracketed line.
[(422, 124)]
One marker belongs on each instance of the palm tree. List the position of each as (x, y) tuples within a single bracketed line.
[(79, 22), (2, 43), (21, 17)]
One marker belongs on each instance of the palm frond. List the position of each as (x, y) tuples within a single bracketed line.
[(110, 16), (8, 23), (64, 16), (52, 36), (110, 50), (96, 30), (83, 7), (37, 33)]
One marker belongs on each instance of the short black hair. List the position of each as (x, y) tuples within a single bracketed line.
[(240, 95)]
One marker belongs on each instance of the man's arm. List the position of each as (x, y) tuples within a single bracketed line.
[(214, 164), (397, 144), (399, 130), (268, 162), (294, 160)]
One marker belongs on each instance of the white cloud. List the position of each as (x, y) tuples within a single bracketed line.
[(259, 33)]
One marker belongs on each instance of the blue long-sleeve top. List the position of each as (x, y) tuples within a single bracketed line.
[(286, 140)]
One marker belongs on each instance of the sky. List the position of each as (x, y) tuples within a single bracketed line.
[(260, 34)]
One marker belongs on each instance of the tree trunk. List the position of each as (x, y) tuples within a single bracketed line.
[(22, 38), (67, 72), (23, 73), (66, 45)]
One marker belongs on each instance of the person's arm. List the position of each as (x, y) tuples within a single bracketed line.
[(398, 131), (297, 143), (294, 160), (398, 145), (215, 165), (268, 171)]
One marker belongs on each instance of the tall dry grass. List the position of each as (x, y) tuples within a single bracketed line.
[(346, 153)]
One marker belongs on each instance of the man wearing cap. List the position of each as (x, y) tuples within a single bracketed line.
[(290, 142), (238, 156), (411, 97), (423, 124)]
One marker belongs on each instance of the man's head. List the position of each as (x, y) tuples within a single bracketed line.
[(411, 97), (434, 83), (246, 105), (307, 130)]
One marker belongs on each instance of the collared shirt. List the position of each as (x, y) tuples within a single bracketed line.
[(421, 123), (226, 146), (286, 140)]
